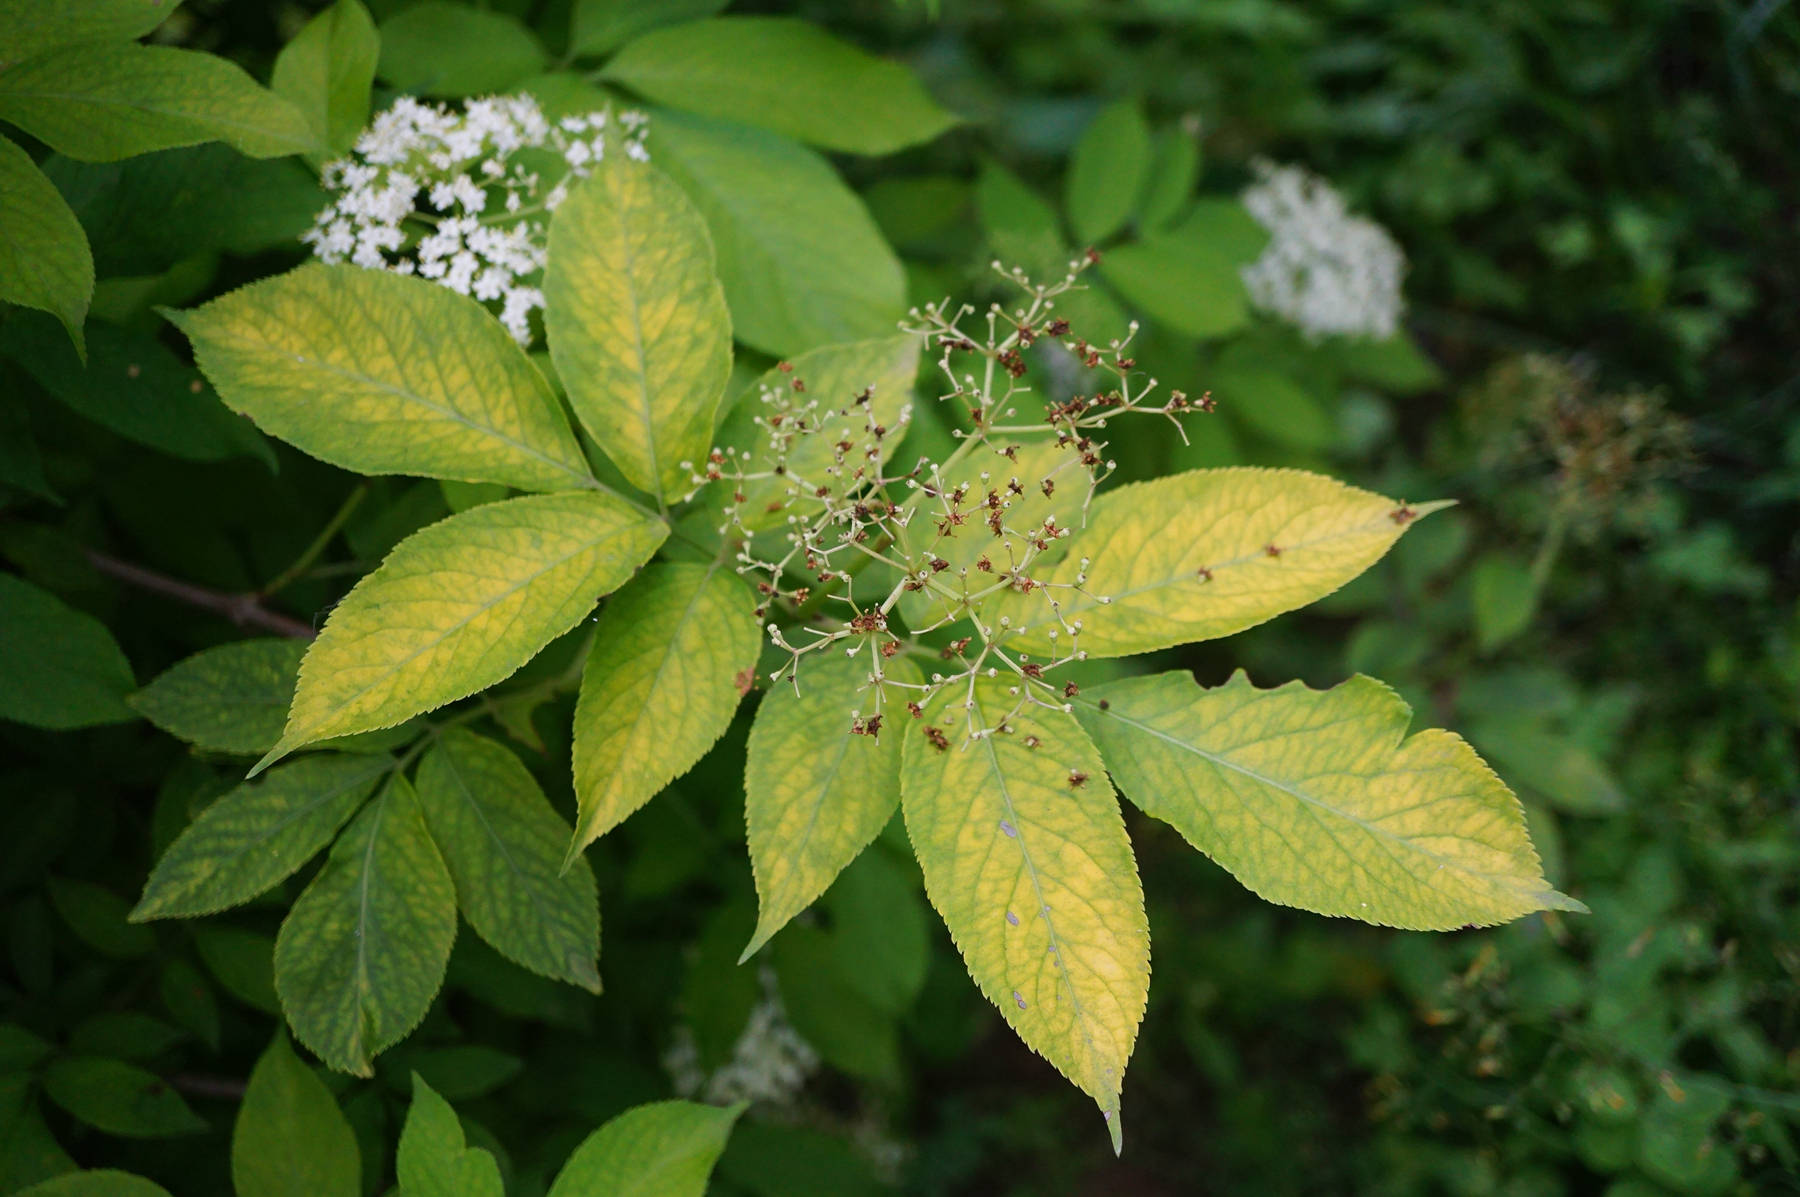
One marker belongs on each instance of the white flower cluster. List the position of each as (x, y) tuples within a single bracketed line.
[(459, 197), (1326, 271), (769, 1063)]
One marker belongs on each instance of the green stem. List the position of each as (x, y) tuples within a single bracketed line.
[(320, 543)]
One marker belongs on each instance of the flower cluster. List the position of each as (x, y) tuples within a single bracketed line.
[(955, 536), (1326, 271), (769, 1063), (459, 197)]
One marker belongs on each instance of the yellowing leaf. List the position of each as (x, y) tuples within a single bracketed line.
[(1026, 859), (1204, 554), (1007, 505), (666, 671), (637, 323), (459, 605), (106, 101), (362, 953), (816, 792), (834, 377), (1317, 799), (384, 374)]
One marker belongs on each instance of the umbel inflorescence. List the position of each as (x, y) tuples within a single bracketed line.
[(463, 197), (862, 538)]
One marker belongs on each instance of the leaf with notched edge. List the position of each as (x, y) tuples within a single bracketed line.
[(1319, 799)]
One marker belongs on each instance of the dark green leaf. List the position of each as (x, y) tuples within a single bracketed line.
[(466, 1071), (362, 953), (28, 1151), (30, 27), (504, 845), (232, 698), (59, 668), (290, 1139), (126, 1034), (443, 49), (597, 26), (119, 1098), (258, 834), (243, 962), (98, 918), (190, 1001), (106, 1182)]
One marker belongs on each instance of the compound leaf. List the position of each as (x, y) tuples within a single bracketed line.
[(666, 672), (258, 834), (384, 374), (1204, 554), (229, 698), (362, 953), (504, 844), (459, 605), (1318, 799), (815, 791), (637, 323), (1025, 857)]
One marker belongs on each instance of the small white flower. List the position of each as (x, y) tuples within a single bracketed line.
[(1326, 271), (769, 1063), (418, 193)]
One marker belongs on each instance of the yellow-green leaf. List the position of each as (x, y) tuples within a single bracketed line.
[(1318, 799), (1025, 857), (384, 374), (290, 1138), (816, 792), (637, 323), (433, 1159), (459, 605), (1204, 554), (100, 102), (327, 70), (834, 377), (670, 662), (362, 953), (664, 1149), (1008, 503), (45, 262), (504, 844)]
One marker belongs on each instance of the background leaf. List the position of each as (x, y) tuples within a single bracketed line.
[(103, 1182), (504, 845), (30, 27), (664, 1149), (800, 258), (44, 261), (290, 1139), (119, 1098), (661, 684), (59, 667), (1035, 879), (103, 101), (782, 74), (384, 374), (597, 26), (1317, 799), (442, 49), (637, 322), (258, 834), (326, 71), (362, 953), (1107, 172), (460, 605)]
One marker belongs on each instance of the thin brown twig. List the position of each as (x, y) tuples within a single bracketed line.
[(225, 1088), (244, 610)]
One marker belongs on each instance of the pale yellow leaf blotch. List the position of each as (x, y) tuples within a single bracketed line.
[(671, 660), (461, 604), (833, 377), (1025, 857), (384, 374), (815, 791), (1204, 554), (1318, 799), (637, 322)]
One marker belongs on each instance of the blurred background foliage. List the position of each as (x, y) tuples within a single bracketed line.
[(1600, 205)]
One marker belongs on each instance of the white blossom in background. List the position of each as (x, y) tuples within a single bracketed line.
[(1326, 271), (769, 1063), (459, 197)]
